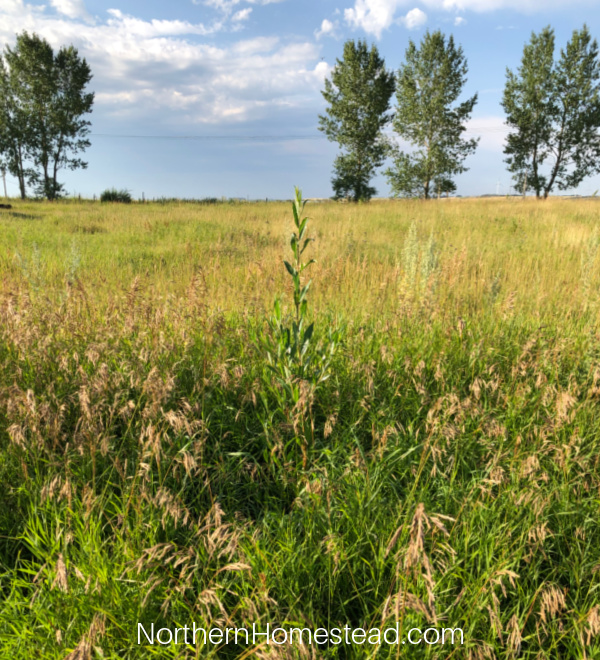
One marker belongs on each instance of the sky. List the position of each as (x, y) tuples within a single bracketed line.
[(221, 98)]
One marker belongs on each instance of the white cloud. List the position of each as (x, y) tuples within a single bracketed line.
[(136, 27), (255, 46), (11, 5), (491, 130), (328, 29), (414, 19), (161, 72), (227, 6), (71, 8), (459, 20), (242, 15), (492, 5), (373, 16)]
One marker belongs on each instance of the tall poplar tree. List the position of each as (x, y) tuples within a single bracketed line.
[(14, 129), (358, 96), (43, 103), (553, 109), (429, 84)]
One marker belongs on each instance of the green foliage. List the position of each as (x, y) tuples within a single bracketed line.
[(32, 269), (588, 261), (113, 195), (298, 359), (429, 84), (358, 96), (419, 256), (42, 105), (15, 131), (553, 109)]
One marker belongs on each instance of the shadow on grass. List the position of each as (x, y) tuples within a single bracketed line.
[(19, 216)]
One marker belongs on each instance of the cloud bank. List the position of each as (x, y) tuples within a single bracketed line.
[(376, 16), (168, 72)]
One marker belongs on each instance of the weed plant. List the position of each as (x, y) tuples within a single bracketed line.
[(114, 195), (173, 449)]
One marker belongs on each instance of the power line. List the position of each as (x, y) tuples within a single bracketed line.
[(266, 138), (273, 138)]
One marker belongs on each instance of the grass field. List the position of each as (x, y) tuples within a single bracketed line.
[(431, 461)]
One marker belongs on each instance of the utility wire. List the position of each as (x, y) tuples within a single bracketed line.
[(270, 138), (211, 137)]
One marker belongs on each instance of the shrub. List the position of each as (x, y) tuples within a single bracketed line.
[(114, 195)]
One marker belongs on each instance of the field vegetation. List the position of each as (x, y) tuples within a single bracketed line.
[(431, 458)]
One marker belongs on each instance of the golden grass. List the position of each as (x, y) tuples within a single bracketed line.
[(529, 253), (448, 473)]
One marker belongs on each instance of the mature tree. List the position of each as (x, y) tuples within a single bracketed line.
[(42, 110), (358, 97), (554, 111), (13, 130), (429, 84)]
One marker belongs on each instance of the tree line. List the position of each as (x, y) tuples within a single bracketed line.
[(43, 103), (552, 108)]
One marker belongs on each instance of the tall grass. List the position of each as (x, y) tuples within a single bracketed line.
[(448, 467)]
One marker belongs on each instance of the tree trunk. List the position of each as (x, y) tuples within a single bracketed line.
[(47, 188), (536, 180), (559, 157), (20, 174), (55, 168)]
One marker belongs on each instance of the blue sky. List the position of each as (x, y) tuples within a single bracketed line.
[(243, 79)]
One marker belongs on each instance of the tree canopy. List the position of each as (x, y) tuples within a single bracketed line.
[(43, 101), (553, 109), (358, 96), (429, 84)]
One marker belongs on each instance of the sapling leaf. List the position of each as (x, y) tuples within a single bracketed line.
[(305, 289), (307, 264), (308, 333), (306, 242)]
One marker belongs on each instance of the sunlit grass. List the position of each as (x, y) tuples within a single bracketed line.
[(449, 472), (530, 251)]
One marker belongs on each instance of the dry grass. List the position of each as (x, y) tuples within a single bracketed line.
[(521, 253), (449, 471)]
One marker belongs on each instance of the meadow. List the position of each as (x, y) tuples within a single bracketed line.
[(427, 456)]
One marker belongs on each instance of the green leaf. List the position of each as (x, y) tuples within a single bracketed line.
[(305, 244), (307, 264), (305, 289), (308, 333)]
